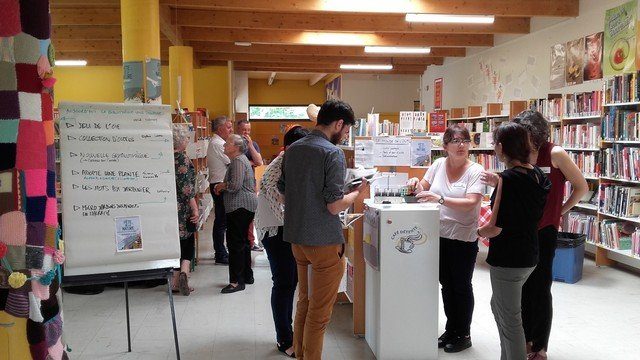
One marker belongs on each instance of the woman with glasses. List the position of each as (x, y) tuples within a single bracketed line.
[(454, 182)]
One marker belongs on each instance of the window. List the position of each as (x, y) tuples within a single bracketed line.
[(278, 112)]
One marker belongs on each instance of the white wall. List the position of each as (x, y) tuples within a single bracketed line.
[(523, 64), (388, 93), (241, 91)]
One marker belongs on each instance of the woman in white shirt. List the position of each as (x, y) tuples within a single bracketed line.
[(269, 223), (454, 183)]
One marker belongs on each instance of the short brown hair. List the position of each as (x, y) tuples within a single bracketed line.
[(515, 141), (537, 125), (453, 130)]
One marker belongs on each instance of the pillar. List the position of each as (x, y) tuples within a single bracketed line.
[(181, 77), (30, 248), (141, 50)]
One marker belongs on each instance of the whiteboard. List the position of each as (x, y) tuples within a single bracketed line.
[(392, 151), (117, 165)]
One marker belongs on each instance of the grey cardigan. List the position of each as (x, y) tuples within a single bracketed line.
[(241, 186)]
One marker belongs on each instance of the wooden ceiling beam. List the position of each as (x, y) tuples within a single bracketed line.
[(169, 28), (100, 32), (319, 59), (230, 47), (86, 45), (59, 4), (85, 16), (321, 38), (339, 22), (317, 67), (520, 8), (328, 71)]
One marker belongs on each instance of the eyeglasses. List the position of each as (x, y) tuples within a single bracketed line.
[(460, 141)]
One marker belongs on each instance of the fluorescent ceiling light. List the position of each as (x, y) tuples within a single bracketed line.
[(365, 67), (396, 50), (71, 62), (240, 43), (444, 18)]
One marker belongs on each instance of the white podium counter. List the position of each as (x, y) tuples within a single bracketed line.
[(401, 249)]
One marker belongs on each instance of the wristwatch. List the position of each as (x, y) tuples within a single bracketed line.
[(441, 200)]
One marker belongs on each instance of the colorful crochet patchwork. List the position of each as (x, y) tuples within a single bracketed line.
[(13, 228), (28, 205), (36, 182), (26, 49), (30, 105), (18, 304), (10, 24), (8, 80), (34, 257), (36, 207), (36, 233), (9, 104), (35, 19), (51, 212), (9, 131), (31, 147)]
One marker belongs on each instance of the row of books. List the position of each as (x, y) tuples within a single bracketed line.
[(588, 162), (581, 136), (490, 162), (617, 234), (373, 127), (621, 162), (622, 88), (478, 127), (619, 124), (555, 135), (580, 223), (618, 200), (550, 108), (583, 104)]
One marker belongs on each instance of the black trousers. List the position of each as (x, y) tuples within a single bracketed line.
[(284, 274), (238, 244), (457, 262), (219, 225), (537, 302)]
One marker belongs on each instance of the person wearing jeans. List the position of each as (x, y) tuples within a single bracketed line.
[(243, 128), (537, 302), (313, 185), (240, 203), (517, 203), (454, 182), (269, 223), (217, 163)]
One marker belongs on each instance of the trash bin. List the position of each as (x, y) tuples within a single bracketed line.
[(567, 264)]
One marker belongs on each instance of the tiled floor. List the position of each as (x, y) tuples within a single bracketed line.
[(597, 318)]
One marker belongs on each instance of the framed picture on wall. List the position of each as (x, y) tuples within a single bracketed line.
[(333, 88)]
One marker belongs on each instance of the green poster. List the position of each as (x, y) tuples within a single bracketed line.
[(620, 39)]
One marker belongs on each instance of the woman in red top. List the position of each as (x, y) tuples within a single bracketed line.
[(537, 308)]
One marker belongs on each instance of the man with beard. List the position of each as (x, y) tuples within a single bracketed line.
[(312, 183)]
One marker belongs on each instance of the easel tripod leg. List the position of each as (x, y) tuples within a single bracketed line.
[(126, 297), (173, 316)]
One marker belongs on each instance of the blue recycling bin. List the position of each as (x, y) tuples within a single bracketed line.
[(569, 258)]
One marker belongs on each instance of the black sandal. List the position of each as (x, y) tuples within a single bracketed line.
[(283, 349)]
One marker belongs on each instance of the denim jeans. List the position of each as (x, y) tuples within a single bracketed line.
[(284, 274)]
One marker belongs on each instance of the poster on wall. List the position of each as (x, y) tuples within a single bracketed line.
[(154, 89), (593, 56), (574, 63), (437, 94), (620, 39), (556, 79), (437, 122), (132, 76), (333, 89)]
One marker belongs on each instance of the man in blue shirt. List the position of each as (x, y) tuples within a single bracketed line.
[(313, 185)]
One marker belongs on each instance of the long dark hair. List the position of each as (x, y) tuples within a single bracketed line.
[(537, 126), (515, 141)]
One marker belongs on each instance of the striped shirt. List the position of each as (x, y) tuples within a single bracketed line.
[(240, 192)]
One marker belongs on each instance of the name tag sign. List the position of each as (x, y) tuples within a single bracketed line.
[(546, 169)]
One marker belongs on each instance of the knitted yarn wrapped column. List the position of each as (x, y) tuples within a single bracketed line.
[(28, 204)]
